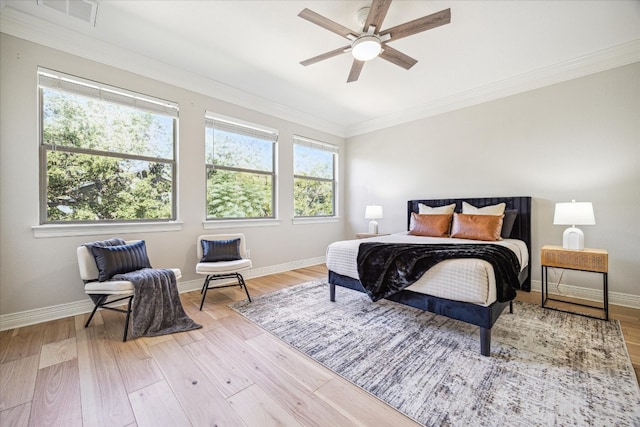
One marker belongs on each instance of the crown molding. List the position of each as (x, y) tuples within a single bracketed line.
[(616, 56), (28, 27), (19, 24)]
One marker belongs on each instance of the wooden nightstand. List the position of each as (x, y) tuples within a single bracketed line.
[(592, 260), (365, 235)]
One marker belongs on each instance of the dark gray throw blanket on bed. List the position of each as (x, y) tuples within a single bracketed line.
[(156, 309), (387, 268)]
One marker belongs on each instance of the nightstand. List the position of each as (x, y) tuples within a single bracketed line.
[(591, 260), (365, 235)]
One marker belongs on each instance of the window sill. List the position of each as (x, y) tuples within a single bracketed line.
[(319, 220), (238, 223), (68, 230)]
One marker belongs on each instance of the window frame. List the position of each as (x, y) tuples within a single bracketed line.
[(335, 151), (56, 80), (247, 129)]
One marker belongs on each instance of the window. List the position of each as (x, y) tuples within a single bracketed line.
[(240, 167), (106, 154), (314, 178)]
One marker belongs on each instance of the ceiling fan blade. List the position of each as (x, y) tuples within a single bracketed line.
[(325, 55), (397, 57), (377, 14), (418, 25), (326, 23), (356, 68)]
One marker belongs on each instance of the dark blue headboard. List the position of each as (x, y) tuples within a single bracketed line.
[(521, 228)]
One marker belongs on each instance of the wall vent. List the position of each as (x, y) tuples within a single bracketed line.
[(85, 10)]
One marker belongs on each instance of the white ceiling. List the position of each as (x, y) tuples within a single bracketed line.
[(248, 52)]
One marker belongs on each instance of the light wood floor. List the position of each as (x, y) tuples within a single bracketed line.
[(230, 373)]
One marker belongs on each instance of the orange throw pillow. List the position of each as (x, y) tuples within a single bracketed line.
[(477, 227), (436, 225)]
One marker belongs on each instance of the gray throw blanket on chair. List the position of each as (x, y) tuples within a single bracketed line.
[(157, 309)]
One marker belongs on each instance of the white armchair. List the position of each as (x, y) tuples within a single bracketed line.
[(222, 256), (102, 292)]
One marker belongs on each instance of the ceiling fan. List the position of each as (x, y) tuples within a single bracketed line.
[(371, 42)]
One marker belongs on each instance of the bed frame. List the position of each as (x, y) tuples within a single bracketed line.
[(478, 315)]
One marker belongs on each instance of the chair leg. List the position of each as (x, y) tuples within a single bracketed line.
[(210, 277), (101, 302), (244, 285), (205, 285), (126, 321), (98, 303), (204, 290)]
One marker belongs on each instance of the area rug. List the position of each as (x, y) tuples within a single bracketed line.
[(546, 367)]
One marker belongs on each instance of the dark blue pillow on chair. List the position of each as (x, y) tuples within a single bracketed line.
[(220, 250), (112, 260)]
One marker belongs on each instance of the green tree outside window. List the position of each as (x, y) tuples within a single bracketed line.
[(104, 161), (240, 168), (314, 183)]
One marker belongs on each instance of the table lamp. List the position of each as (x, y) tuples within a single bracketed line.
[(574, 213), (373, 212)]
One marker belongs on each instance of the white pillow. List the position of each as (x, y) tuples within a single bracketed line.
[(428, 210), (486, 210)]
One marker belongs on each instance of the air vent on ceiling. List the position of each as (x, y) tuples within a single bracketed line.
[(85, 10)]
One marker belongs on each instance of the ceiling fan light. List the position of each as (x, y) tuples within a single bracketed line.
[(366, 47)]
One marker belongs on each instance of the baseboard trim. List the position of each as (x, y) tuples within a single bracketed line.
[(45, 314), (615, 298)]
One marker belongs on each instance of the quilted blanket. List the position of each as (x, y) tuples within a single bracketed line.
[(157, 309), (387, 268)]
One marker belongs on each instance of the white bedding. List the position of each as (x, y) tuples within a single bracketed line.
[(467, 280)]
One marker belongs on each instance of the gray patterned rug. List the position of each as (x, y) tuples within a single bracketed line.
[(546, 368)]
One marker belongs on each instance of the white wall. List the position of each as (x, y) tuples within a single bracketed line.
[(574, 140), (514, 146), (42, 272)]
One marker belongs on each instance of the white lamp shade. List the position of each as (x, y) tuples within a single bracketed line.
[(373, 212), (574, 213)]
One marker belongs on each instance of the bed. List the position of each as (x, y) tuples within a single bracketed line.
[(477, 308)]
